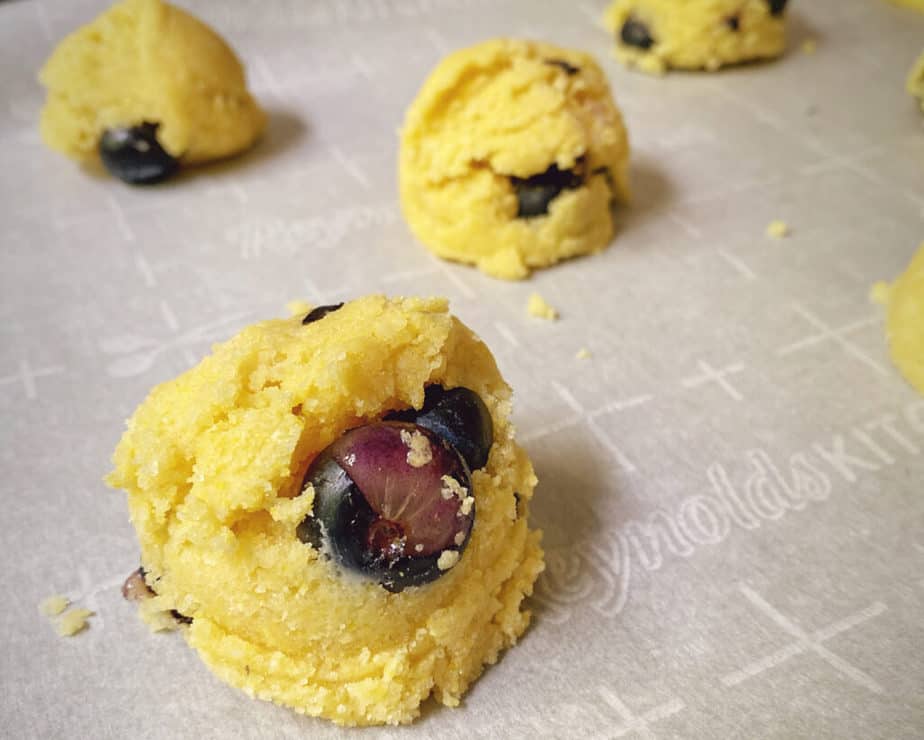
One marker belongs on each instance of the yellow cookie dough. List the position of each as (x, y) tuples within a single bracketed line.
[(148, 61), (913, 4), (213, 462), (657, 35), (916, 80), (511, 156), (905, 321)]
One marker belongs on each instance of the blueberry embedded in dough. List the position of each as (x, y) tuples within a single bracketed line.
[(777, 6), (460, 417), (380, 513), (319, 312), (134, 155), (567, 68), (636, 33), (733, 22), (536, 193)]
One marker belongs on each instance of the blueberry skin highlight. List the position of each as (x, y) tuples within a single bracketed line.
[(134, 155), (460, 417)]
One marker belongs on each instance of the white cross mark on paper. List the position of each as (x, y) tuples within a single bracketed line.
[(716, 375), (350, 167), (120, 219), (806, 642), (640, 724), (27, 376), (581, 415), (826, 333)]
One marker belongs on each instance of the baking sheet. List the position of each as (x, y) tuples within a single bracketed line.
[(730, 486)]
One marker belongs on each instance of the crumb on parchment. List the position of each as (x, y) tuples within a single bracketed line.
[(778, 229), (54, 605), (540, 308)]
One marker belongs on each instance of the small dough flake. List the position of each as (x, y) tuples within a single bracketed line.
[(54, 605), (778, 229), (418, 448), (540, 308), (72, 622), (447, 559)]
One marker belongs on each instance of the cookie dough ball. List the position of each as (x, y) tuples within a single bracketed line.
[(326, 557), (916, 80), (511, 157), (905, 321), (657, 35), (145, 66)]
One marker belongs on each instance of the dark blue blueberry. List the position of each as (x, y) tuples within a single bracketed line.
[(569, 69), (316, 314), (534, 194), (460, 417), (636, 33), (135, 156), (777, 6), (733, 22), (386, 508)]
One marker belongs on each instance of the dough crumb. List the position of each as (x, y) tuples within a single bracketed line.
[(809, 46), (447, 559), (452, 487), (418, 449), (540, 308), (296, 308), (72, 622), (54, 605), (778, 229), (583, 353), (467, 504), (879, 293)]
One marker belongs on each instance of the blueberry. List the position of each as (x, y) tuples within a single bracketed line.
[(777, 6), (392, 502), (460, 417), (534, 194), (733, 22), (569, 69), (135, 587), (636, 33), (135, 156), (316, 314)]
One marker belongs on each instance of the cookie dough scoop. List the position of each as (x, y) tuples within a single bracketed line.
[(512, 156), (147, 88), (333, 510), (657, 35)]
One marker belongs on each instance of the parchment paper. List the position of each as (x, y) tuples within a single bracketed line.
[(731, 485)]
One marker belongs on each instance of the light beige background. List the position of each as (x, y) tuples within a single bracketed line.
[(731, 486)]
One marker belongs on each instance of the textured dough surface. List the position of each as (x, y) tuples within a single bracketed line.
[(905, 323), (913, 4), (916, 80), (212, 459), (505, 108), (146, 60), (697, 34)]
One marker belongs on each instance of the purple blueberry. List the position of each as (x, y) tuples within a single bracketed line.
[(134, 155), (460, 417), (393, 501)]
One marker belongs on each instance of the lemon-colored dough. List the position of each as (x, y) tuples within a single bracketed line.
[(905, 321), (916, 80), (212, 462), (697, 34), (505, 108), (146, 60), (913, 4)]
